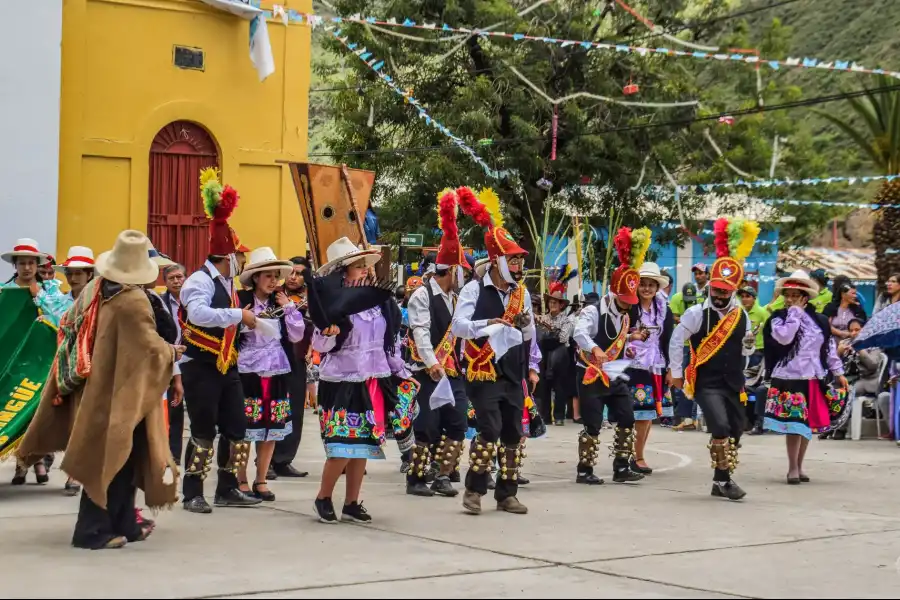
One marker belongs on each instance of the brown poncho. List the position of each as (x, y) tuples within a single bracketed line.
[(131, 369)]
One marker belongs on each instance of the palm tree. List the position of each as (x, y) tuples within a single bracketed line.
[(880, 141)]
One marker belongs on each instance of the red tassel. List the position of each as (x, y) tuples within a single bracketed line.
[(720, 229), (472, 206), (622, 242)]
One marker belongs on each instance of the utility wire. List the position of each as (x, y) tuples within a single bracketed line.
[(672, 123)]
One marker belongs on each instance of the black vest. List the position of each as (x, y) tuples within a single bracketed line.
[(490, 306), (606, 325), (726, 368), (441, 317), (221, 299)]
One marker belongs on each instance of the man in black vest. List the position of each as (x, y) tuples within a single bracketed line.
[(496, 387), (720, 336), (434, 354), (210, 317), (601, 333)]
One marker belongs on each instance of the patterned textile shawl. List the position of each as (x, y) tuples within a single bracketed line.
[(75, 339)]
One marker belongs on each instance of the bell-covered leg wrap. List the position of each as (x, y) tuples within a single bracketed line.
[(509, 460), (449, 457), (720, 454), (239, 454), (723, 455), (588, 451), (419, 462), (623, 453), (481, 457), (198, 456)]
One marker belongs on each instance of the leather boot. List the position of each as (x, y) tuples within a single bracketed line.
[(449, 452), (419, 463), (724, 459), (588, 450)]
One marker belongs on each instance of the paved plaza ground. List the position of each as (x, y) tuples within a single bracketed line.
[(663, 538)]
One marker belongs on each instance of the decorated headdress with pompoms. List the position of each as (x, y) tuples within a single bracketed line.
[(734, 240), (485, 211), (450, 252), (219, 202), (631, 247)]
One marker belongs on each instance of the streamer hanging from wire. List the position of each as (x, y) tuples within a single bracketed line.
[(660, 31), (377, 65)]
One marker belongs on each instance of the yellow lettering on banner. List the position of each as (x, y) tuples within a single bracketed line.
[(15, 406), (30, 385), (20, 394), (6, 416)]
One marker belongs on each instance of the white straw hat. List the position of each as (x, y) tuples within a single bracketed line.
[(481, 266), (25, 247), (78, 257), (344, 252), (799, 280), (264, 259), (128, 262), (651, 270)]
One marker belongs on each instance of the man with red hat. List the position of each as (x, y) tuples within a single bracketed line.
[(495, 320), (720, 337), (601, 333), (210, 318), (434, 357)]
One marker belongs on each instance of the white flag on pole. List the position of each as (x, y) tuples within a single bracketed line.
[(261, 48)]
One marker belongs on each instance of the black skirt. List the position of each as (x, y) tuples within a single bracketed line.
[(349, 422), (267, 407)]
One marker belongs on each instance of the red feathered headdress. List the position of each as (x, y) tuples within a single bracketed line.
[(219, 203), (497, 239), (624, 281), (450, 253)]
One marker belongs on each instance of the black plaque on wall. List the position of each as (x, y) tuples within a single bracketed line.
[(188, 58)]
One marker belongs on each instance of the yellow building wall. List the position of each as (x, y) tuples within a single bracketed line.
[(120, 87)]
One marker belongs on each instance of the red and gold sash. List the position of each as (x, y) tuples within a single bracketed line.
[(595, 371), (480, 367), (443, 352), (226, 354), (709, 347)]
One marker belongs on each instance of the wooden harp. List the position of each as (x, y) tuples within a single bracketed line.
[(333, 202)]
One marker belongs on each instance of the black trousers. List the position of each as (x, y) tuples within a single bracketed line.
[(725, 416), (498, 409), (286, 449), (596, 396), (450, 420), (214, 402), (176, 427), (97, 526)]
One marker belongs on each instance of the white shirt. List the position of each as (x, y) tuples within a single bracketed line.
[(174, 306), (690, 324), (588, 324), (420, 320), (197, 295), (463, 326)]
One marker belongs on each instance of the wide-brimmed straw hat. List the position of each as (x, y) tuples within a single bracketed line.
[(481, 266), (650, 270), (264, 259), (798, 280), (128, 262), (344, 252), (25, 247), (78, 257)]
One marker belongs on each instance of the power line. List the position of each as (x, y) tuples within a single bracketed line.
[(624, 128)]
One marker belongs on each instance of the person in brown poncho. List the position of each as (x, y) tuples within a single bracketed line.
[(102, 403)]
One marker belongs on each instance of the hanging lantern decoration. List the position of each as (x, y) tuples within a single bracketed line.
[(631, 89), (727, 120)]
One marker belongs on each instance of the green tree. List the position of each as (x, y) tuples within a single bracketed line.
[(876, 131), (476, 92)]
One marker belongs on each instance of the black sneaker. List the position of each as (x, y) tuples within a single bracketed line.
[(523, 480), (355, 512), (728, 489), (325, 511), (443, 487), (235, 498), (197, 505), (419, 488), (626, 475), (588, 479)]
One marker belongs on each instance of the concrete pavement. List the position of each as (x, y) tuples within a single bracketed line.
[(662, 538)]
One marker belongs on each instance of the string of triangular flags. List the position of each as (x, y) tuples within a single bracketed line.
[(292, 16), (377, 66), (765, 183)]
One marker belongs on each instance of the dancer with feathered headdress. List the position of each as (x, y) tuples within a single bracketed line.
[(495, 320), (601, 333), (720, 336), (434, 352), (210, 318)]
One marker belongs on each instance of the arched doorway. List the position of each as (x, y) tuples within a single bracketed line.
[(176, 223)]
